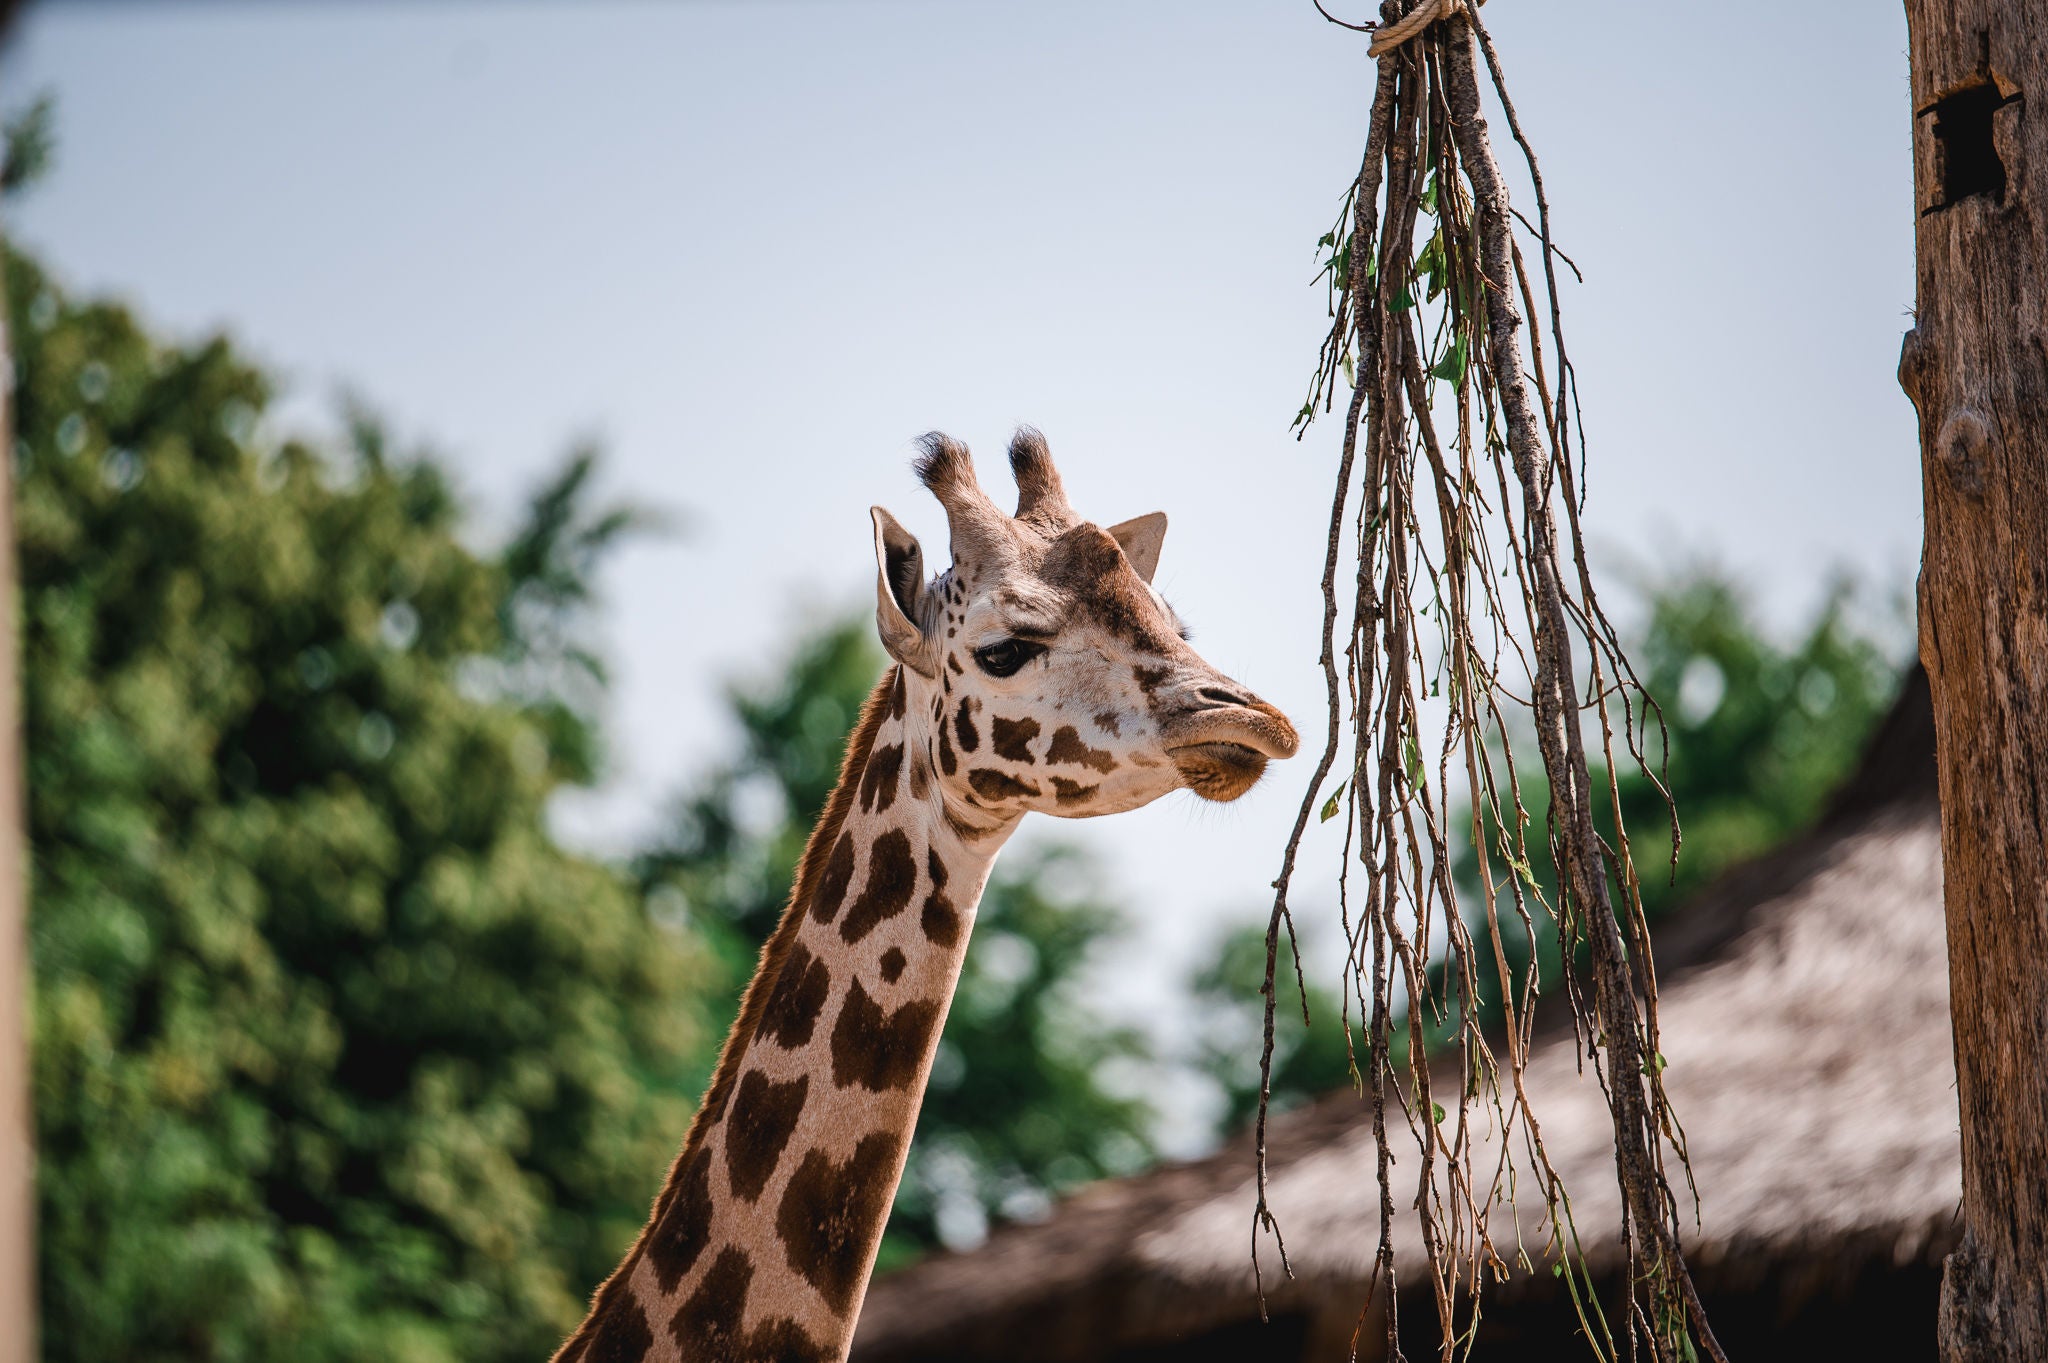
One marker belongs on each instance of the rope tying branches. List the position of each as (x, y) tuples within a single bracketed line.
[(1422, 16), (1473, 625)]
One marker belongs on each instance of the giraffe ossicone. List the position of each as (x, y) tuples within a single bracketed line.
[(1041, 671)]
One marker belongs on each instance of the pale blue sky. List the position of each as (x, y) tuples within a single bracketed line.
[(759, 247)]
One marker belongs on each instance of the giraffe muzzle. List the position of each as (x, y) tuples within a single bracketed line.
[(1222, 750)]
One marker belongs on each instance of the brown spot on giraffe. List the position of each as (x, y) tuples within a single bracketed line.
[(832, 1214), (621, 1336), (893, 962), (939, 919), (1011, 738), (684, 1230), (876, 1049), (1067, 748), (1149, 679), (1110, 724), (758, 1125), (920, 776), (832, 885), (1067, 792), (710, 1322), (898, 696), (878, 783), (963, 725), (991, 784), (953, 662), (947, 763), (892, 876), (962, 829), (798, 998)]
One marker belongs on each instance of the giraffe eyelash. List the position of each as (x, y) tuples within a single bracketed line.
[(1007, 657)]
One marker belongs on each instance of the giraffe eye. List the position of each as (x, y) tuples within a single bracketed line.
[(1006, 658)]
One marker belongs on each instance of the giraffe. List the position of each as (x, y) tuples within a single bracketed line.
[(1042, 671)]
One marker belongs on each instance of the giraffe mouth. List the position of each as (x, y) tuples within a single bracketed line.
[(1221, 750), (1218, 770)]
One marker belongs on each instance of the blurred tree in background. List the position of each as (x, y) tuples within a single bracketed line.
[(1017, 1110), (337, 1054), (1230, 1028), (1757, 734)]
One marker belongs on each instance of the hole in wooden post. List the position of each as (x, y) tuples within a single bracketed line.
[(1966, 151)]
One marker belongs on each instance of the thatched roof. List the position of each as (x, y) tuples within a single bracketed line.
[(1805, 1022)]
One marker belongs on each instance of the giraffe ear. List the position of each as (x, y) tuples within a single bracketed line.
[(1142, 537), (899, 591)]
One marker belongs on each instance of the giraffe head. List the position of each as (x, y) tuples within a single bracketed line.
[(1054, 676)]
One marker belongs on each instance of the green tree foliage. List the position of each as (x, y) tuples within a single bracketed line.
[(1760, 734), (1756, 734), (1017, 1110), (337, 1055), (1308, 1061), (28, 145)]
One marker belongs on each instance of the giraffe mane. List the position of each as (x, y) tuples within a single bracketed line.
[(878, 706), (776, 949)]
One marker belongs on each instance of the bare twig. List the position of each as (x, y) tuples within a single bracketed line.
[(1355, 28), (1459, 439)]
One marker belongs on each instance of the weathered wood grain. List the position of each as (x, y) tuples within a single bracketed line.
[(1976, 366)]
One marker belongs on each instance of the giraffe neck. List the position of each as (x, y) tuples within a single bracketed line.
[(764, 1236)]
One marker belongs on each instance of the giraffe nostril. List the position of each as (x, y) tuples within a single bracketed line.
[(1217, 695)]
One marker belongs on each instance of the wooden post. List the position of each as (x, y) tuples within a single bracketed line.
[(1976, 366)]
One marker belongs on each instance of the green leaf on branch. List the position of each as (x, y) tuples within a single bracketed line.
[(1432, 265), (1330, 805), (1452, 366)]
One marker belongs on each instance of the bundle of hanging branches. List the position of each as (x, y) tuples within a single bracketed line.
[(1472, 630)]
